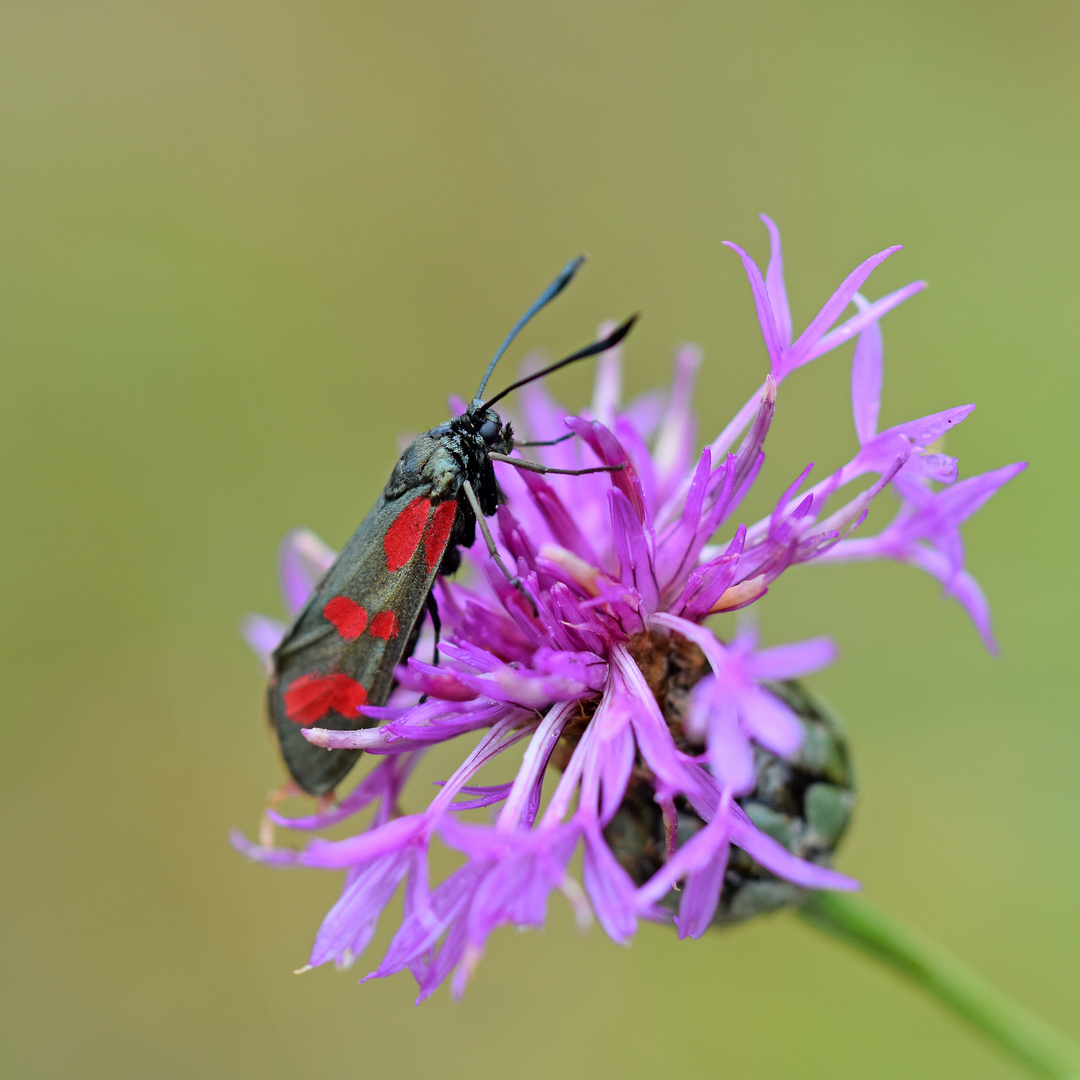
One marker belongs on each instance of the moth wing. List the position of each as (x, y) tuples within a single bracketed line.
[(360, 623)]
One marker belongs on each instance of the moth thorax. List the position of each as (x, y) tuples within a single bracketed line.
[(446, 469), (804, 802)]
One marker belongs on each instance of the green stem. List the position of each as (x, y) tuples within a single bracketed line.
[(852, 919)]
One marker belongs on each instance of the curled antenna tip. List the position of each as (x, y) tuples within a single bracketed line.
[(621, 330), (608, 341), (572, 267)]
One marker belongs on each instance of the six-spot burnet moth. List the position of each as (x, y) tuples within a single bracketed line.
[(364, 617)]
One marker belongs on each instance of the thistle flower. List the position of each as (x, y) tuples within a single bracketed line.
[(676, 752)]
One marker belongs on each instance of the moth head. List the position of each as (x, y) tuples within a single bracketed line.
[(488, 428)]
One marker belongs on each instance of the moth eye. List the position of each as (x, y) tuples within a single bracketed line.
[(489, 430)]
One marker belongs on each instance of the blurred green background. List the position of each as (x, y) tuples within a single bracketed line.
[(243, 247)]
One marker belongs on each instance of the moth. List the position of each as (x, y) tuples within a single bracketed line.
[(364, 617)]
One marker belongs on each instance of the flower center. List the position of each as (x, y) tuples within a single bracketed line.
[(672, 665), (803, 802)]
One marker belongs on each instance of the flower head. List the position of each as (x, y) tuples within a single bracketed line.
[(680, 757)]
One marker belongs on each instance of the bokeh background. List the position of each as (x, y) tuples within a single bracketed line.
[(245, 246)]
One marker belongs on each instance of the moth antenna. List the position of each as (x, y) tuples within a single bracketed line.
[(605, 343), (565, 277)]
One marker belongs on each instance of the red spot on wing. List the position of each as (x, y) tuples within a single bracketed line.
[(403, 536), (385, 625), (347, 615), (311, 697), (442, 521)]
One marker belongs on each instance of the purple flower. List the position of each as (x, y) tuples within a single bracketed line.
[(926, 529), (611, 675)]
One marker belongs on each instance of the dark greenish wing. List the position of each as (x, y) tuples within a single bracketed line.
[(360, 623)]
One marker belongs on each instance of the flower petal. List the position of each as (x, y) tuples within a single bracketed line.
[(792, 661), (856, 323), (866, 376), (766, 319), (303, 559), (776, 858), (774, 284), (610, 888), (263, 636), (803, 350), (675, 439)]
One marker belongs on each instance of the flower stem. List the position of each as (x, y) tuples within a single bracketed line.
[(854, 920)]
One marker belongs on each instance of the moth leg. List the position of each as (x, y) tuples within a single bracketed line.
[(288, 790), (535, 466), (547, 442), (493, 551), (436, 625)]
